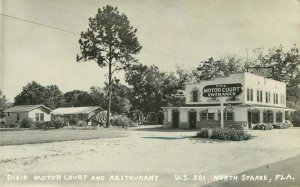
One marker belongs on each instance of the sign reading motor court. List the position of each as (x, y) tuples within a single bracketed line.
[(222, 90)]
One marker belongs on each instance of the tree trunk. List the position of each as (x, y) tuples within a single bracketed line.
[(109, 92)]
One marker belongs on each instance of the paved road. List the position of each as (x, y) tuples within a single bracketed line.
[(286, 167)]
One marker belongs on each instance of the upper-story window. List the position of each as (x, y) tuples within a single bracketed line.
[(268, 97), (249, 94), (275, 98), (259, 96), (195, 94)]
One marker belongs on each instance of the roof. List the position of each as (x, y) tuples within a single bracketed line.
[(74, 110), (24, 108)]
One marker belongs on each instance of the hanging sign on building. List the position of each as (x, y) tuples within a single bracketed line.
[(222, 90)]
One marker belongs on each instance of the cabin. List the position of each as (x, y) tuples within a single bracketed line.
[(247, 99), (71, 114), (35, 113)]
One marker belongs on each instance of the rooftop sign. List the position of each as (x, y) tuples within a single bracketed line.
[(222, 90)]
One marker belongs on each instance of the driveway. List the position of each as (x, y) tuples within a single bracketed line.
[(147, 153)]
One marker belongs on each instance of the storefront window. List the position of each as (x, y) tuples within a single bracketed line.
[(207, 116), (279, 117)]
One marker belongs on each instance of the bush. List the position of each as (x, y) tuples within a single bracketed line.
[(224, 134), (202, 133), (82, 123), (58, 123), (122, 121), (280, 125), (2, 124), (26, 123), (263, 126), (73, 122)]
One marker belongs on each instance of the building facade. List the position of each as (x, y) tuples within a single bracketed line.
[(262, 100), (35, 113), (69, 114)]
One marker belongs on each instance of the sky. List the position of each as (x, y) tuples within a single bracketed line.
[(172, 33)]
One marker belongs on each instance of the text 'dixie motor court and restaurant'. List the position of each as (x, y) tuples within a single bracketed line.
[(246, 99)]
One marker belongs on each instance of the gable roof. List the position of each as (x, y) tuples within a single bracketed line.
[(24, 108), (75, 110)]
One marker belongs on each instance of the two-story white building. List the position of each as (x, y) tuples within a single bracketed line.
[(262, 100)]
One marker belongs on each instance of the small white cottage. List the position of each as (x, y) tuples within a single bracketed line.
[(36, 113)]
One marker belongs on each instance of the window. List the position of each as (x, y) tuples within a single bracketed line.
[(227, 116), (41, 116), (268, 116), (278, 117), (259, 96), (207, 116), (7, 113), (37, 117), (268, 97), (249, 94), (275, 98), (195, 96), (18, 117)]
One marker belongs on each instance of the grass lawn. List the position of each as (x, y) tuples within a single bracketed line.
[(55, 135)]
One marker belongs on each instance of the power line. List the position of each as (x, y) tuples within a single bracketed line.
[(56, 28), (40, 24)]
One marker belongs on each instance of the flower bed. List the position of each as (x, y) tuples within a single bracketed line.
[(223, 134)]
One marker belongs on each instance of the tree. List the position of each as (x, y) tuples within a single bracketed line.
[(286, 68), (209, 69), (53, 96), (77, 98), (4, 104), (120, 96), (32, 94), (111, 41), (147, 87)]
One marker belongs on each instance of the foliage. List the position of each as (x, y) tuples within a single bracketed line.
[(287, 69), (26, 123), (263, 126), (100, 118), (146, 84), (78, 98), (110, 41), (280, 125), (73, 122), (120, 97), (34, 93), (122, 121), (224, 134), (211, 68), (4, 104), (82, 123), (295, 118), (43, 125)]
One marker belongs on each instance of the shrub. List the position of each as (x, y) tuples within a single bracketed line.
[(202, 133), (58, 123), (280, 125), (73, 122), (122, 121), (263, 126), (224, 134), (82, 123), (2, 124), (26, 123)]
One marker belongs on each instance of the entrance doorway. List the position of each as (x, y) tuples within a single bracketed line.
[(192, 119), (175, 119)]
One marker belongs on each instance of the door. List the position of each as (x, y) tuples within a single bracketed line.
[(192, 119), (175, 119)]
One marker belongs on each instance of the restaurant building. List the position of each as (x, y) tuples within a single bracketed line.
[(255, 99)]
